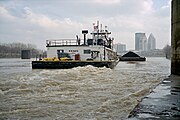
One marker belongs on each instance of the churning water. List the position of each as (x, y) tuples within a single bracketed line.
[(82, 93)]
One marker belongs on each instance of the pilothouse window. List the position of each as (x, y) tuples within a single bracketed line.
[(87, 51)]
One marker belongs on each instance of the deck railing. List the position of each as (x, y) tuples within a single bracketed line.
[(59, 42)]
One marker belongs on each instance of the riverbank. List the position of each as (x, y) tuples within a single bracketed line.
[(162, 103)]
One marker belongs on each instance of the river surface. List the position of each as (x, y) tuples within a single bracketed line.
[(82, 93)]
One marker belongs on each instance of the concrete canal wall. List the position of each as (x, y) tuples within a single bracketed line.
[(175, 37)]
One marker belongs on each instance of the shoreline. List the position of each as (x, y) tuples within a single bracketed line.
[(161, 103)]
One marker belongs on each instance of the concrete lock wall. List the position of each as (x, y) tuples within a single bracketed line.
[(175, 37)]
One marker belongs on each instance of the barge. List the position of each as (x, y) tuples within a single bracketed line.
[(68, 53), (131, 56)]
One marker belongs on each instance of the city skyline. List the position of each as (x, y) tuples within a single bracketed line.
[(144, 44)]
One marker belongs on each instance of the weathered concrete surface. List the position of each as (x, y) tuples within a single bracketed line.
[(162, 103), (175, 37)]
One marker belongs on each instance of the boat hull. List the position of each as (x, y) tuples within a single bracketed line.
[(71, 64), (132, 59)]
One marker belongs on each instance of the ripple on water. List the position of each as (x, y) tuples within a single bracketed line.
[(79, 93)]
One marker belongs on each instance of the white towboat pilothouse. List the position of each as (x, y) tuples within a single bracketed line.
[(68, 53)]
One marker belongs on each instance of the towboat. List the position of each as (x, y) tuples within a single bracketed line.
[(68, 53)]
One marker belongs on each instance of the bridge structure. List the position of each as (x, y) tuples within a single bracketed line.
[(175, 37)]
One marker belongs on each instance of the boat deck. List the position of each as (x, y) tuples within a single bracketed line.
[(71, 64)]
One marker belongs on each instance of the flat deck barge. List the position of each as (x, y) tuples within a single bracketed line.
[(71, 64)]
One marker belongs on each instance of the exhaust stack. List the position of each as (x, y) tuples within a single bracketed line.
[(84, 32)]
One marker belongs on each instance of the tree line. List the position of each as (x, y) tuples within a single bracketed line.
[(167, 51), (13, 50)]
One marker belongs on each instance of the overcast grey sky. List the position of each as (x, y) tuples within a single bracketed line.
[(35, 21)]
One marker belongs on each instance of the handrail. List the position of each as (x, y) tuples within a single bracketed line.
[(57, 42)]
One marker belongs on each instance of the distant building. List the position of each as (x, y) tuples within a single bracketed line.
[(120, 47), (151, 42), (25, 54), (152, 53), (145, 45), (140, 42)]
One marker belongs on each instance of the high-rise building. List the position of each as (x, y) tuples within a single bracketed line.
[(120, 47), (151, 42), (145, 45), (140, 42)]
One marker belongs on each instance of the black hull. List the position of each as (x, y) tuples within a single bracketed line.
[(132, 59), (71, 64)]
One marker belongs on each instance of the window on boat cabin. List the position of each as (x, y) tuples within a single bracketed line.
[(87, 51), (60, 51), (94, 54)]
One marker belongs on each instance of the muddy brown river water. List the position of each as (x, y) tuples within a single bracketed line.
[(82, 93)]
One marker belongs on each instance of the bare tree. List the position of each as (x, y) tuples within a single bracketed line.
[(13, 50), (167, 51)]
